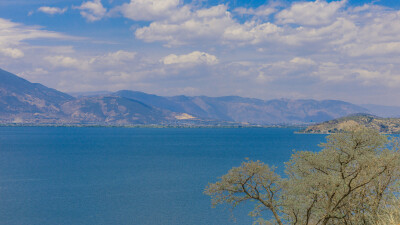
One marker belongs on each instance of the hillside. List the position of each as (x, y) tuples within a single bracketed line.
[(249, 110), (113, 110), (20, 100), (384, 125), (24, 102)]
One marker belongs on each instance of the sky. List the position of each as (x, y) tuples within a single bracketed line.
[(341, 49)]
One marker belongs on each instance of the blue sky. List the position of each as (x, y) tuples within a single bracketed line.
[(347, 50)]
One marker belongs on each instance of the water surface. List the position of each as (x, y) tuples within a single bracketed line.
[(94, 176)]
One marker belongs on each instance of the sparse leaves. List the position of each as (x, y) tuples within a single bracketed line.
[(350, 181), (251, 181)]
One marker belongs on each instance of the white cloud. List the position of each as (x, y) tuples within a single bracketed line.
[(213, 12), (310, 13), (12, 52), (148, 10), (361, 76), (304, 61), (67, 62), (338, 52), (13, 35), (92, 10), (378, 33), (117, 59), (34, 74), (217, 25), (39, 71), (250, 32), (262, 11), (120, 56), (52, 10), (373, 49), (195, 57), (204, 25), (177, 24), (112, 59)]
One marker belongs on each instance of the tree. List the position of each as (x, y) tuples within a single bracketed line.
[(352, 180)]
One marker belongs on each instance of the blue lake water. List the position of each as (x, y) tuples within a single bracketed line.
[(94, 176)]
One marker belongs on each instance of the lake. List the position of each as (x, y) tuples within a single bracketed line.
[(93, 176)]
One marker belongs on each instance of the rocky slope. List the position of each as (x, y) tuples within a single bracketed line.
[(249, 110), (384, 125), (113, 110), (21, 100), (25, 102)]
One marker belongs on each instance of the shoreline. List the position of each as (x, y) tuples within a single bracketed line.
[(152, 126)]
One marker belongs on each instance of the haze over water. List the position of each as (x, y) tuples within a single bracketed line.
[(63, 175)]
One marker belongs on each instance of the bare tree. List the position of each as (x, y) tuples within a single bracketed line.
[(350, 181)]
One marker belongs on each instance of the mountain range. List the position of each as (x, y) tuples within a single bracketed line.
[(24, 102)]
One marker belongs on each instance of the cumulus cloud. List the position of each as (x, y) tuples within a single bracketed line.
[(217, 30), (314, 25), (112, 59), (121, 70), (115, 58), (339, 51), (373, 49), (262, 11), (216, 24), (67, 62), (251, 32), (202, 25), (12, 52), (33, 74), (183, 24), (52, 10), (149, 10), (109, 71), (92, 10), (193, 58), (310, 13), (304, 61)]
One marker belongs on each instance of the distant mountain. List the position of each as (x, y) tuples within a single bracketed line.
[(113, 110), (250, 110), (152, 100), (383, 111), (20, 99), (89, 94), (25, 102), (384, 125)]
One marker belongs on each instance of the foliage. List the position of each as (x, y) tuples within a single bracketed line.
[(384, 125), (389, 214), (352, 180)]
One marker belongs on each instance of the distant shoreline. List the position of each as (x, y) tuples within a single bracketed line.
[(152, 126)]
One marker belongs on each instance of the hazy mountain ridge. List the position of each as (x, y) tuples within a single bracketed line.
[(384, 125), (20, 99), (25, 102), (382, 110), (113, 110), (250, 110)]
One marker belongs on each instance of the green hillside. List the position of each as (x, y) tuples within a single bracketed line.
[(384, 125)]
